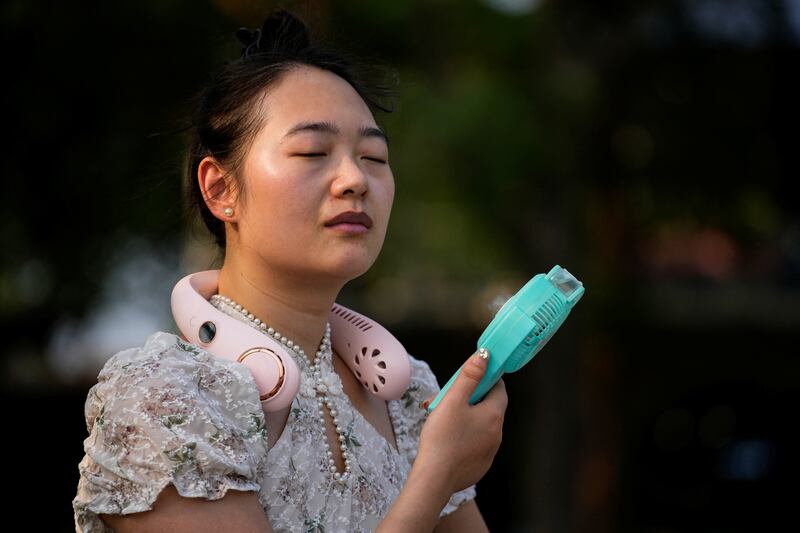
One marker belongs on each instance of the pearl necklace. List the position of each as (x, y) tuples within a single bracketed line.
[(324, 355)]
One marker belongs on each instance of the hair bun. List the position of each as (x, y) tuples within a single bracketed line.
[(281, 33)]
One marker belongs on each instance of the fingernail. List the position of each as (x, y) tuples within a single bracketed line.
[(424, 404), (481, 357)]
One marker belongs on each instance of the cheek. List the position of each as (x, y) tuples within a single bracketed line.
[(284, 210), (391, 193), (268, 206), (388, 196), (278, 189)]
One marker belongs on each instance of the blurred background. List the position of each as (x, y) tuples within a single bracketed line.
[(650, 147)]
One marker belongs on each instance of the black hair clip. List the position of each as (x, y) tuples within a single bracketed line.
[(250, 39)]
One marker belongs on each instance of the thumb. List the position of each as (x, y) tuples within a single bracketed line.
[(470, 375)]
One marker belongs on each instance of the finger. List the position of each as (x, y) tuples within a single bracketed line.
[(470, 375), (497, 395)]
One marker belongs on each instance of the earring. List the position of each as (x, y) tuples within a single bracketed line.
[(228, 211)]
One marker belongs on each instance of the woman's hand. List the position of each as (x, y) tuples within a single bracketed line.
[(459, 441), (456, 448)]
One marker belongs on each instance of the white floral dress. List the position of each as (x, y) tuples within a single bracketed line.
[(170, 412)]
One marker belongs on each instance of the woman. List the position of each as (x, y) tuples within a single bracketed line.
[(290, 172)]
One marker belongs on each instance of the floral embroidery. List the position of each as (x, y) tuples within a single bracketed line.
[(331, 381), (350, 438), (307, 386), (170, 412)]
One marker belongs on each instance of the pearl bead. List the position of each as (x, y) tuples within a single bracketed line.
[(323, 354)]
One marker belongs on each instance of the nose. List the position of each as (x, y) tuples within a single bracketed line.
[(350, 180)]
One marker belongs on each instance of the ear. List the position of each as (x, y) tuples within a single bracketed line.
[(217, 187)]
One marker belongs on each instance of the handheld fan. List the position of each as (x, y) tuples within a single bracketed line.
[(523, 326)]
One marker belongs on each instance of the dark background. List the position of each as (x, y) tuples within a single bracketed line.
[(650, 147)]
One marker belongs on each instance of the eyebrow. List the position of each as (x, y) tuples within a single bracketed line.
[(329, 127)]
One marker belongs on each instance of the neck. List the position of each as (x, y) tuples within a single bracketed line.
[(296, 305)]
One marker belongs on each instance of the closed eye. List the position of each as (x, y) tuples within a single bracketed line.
[(319, 154)]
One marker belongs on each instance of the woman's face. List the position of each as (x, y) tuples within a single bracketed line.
[(319, 155)]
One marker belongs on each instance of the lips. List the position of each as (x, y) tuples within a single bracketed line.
[(351, 217)]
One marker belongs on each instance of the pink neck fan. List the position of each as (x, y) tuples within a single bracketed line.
[(375, 357)]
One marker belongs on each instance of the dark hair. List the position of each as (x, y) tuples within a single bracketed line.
[(225, 120)]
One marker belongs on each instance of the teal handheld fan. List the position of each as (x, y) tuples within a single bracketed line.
[(523, 326)]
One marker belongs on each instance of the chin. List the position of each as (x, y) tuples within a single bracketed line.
[(350, 266)]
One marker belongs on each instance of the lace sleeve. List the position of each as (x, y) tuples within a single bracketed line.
[(165, 413)]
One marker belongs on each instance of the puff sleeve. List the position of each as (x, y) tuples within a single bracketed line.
[(168, 412), (411, 417)]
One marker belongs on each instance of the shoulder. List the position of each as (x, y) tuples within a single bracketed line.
[(423, 381), (167, 365), (168, 412), (168, 382), (166, 352), (406, 412)]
